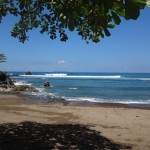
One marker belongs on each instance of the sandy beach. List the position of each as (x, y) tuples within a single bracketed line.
[(71, 127)]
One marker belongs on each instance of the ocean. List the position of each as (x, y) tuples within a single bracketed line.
[(94, 87)]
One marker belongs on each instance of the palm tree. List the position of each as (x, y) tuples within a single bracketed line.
[(2, 58)]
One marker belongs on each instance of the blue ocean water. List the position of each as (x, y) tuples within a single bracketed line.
[(95, 87)]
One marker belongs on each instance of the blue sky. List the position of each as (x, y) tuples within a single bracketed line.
[(126, 50)]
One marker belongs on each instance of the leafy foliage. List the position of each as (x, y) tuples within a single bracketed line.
[(2, 58), (92, 19)]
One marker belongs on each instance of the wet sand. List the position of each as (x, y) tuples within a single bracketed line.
[(102, 126)]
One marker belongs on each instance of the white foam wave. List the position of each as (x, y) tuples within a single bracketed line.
[(71, 76), (56, 74), (90, 99), (73, 88), (22, 83), (42, 94), (81, 99), (134, 102), (143, 79), (64, 75)]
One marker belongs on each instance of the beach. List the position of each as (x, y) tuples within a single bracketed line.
[(79, 86), (123, 127)]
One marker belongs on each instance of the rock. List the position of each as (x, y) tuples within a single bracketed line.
[(17, 89), (3, 76), (47, 84), (28, 73), (9, 82), (24, 88), (7, 85), (3, 86), (5, 80)]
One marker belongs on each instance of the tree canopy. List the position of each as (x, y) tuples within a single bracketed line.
[(92, 19), (2, 58)]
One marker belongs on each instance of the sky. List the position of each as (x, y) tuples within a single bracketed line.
[(126, 50)]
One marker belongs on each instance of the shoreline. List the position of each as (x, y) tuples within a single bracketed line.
[(32, 99), (27, 98), (121, 124)]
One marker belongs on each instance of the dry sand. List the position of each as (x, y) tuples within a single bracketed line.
[(121, 125)]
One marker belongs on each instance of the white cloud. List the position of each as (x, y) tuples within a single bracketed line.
[(125, 67), (61, 62)]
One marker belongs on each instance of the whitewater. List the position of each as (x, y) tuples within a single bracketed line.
[(71, 76)]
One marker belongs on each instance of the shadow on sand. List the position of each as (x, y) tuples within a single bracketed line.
[(37, 136)]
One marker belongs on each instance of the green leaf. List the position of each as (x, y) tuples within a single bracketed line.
[(71, 27), (59, 7), (107, 33), (116, 18), (110, 25), (121, 12), (85, 10), (132, 10), (91, 18)]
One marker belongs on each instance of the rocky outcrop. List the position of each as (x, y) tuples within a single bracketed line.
[(47, 84), (2, 76), (8, 86), (24, 88), (28, 73), (5, 81)]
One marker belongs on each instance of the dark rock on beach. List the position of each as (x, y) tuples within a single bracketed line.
[(5, 81)]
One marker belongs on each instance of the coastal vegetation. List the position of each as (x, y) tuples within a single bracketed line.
[(90, 19), (2, 58)]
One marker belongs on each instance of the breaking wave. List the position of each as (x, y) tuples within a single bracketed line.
[(22, 83), (62, 75)]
